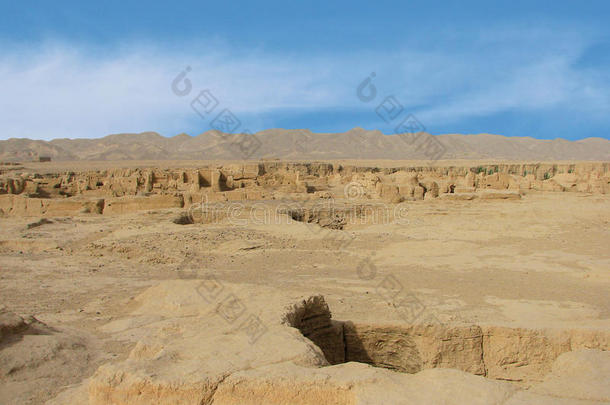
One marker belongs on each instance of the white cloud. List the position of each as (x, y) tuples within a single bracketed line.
[(61, 92), (57, 91)]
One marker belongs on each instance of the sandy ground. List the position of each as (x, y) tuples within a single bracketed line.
[(541, 261)]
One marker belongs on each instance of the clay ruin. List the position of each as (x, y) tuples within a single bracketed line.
[(304, 283), (121, 191)]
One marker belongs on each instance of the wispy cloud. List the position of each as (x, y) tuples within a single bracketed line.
[(55, 90)]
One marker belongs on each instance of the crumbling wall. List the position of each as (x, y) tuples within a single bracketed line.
[(168, 188), (313, 318)]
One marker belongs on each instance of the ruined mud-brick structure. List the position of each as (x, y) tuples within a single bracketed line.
[(119, 191)]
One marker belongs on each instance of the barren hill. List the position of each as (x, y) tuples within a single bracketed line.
[(357, 143)]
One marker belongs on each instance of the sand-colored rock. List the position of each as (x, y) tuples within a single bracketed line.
[(184, 359), (354, 383), (18, 205), (196, 353), (130, 190), (581, 374)]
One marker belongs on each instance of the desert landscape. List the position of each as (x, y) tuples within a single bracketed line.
[(305, 203), (331, 278)]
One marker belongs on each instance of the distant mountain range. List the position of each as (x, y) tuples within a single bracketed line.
[(304, 144)]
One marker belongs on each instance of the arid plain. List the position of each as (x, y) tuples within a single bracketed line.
[(305, 282)]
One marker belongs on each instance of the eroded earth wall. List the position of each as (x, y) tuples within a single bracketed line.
[(120, 191)]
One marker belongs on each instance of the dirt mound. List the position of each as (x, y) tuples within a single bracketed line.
[(211, 342), (37, 361)]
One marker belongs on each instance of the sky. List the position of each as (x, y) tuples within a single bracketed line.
[(73, 69)]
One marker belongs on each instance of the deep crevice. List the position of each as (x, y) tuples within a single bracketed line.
[(518, 355)]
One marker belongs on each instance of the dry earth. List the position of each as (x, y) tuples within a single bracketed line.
[(356, 143), (305, 283)]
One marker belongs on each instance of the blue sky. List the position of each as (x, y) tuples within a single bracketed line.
[(518, 68)]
